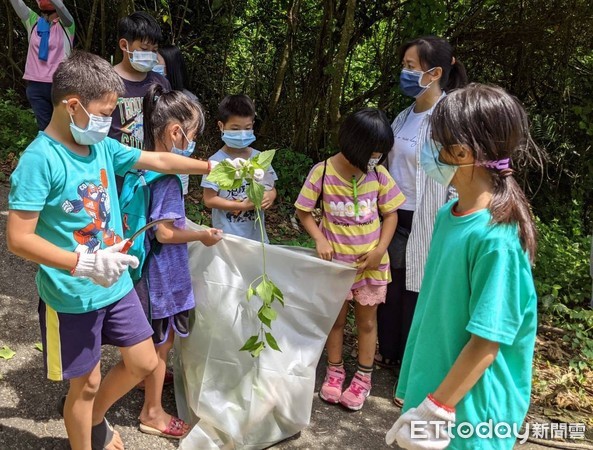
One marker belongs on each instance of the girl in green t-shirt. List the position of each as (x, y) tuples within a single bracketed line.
[(466, 373)]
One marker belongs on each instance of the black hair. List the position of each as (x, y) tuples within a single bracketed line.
[(87, 76), (239, 105), (176, 69), (494, 125), (363, 133), (161, 108), (437, 52), (139, 26)]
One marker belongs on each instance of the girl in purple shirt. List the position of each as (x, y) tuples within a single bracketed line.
[(171, 121)]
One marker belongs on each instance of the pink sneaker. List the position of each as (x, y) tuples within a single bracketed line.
[(332, 385), (353, 398)]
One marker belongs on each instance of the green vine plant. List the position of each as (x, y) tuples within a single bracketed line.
[(230, 174)]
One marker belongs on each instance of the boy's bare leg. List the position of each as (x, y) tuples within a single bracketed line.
[(138, 361), (78, 409)]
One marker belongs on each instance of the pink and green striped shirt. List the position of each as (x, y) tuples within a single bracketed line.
[(353, 235)]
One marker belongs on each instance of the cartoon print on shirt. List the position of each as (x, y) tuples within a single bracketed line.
[(238, 195), (94, 200)]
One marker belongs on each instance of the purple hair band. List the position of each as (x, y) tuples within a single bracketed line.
[(499, 164)]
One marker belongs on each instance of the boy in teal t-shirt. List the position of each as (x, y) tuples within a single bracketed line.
[(64, 215), (466, 372)]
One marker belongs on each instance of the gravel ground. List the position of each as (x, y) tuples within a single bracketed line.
[(28, 415)]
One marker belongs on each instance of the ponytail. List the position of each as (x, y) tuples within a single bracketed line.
[(509, 205), (155, 91), (457, 76), (161, 108)]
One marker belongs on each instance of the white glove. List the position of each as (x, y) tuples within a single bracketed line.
[(237, 163), (213, 164), (428, 435), (258, 175), (105, 266)]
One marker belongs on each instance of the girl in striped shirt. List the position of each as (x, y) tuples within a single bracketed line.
[(355, 191)]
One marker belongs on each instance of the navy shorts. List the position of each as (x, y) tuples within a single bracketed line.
[(72, 342)]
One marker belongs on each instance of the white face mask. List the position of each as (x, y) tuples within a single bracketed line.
[(142, 61), (373, 163), (96, 130)]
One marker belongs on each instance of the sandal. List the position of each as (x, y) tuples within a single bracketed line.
[(398, 402), (175, 429), (102, 435), (386, 363)]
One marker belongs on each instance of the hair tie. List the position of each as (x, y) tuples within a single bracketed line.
[(496, 164), (506, 173)]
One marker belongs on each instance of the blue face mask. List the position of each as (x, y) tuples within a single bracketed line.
[(410, 82), (439, 171), (238, 138), (191, 147), (160, 69)]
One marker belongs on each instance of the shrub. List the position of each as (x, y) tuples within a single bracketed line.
[(292, 169), (18, 126)]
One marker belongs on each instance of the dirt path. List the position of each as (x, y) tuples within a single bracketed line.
[(28, 415)]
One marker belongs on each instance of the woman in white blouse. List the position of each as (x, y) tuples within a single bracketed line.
[(429, 71)]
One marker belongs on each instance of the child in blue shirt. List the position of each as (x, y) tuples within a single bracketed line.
[(232, 211), (467, 363), (172, 121), (64, 215)]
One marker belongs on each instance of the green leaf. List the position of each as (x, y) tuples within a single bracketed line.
[(272, 342), (260, 346), (39, 346), (264, 159), (249, 344), (224, 176), (264, 319), (277, 293), (165, 18), (255, 192), (264, 291), (250, 293), (6, 352), (269, 312)]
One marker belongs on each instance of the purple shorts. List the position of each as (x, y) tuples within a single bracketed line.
[(72, 342)]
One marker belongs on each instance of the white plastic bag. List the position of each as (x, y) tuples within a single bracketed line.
[(243, 402)]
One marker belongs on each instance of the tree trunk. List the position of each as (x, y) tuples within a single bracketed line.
[(126, 7), (315, 84), (291, 18), (339, 70), (103, 31), (91, 27)]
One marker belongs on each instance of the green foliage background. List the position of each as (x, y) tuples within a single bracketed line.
[(285, 54)]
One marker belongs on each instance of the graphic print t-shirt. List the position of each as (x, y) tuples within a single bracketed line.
[(238, 223), (352, 235), (78, 211), (128, 120)]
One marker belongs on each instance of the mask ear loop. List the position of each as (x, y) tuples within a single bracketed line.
[(83, 108), (420, 79)]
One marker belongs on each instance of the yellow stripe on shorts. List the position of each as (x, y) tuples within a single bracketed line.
[(52, 342)]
